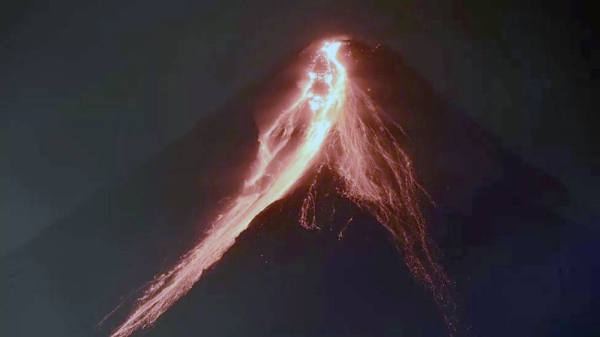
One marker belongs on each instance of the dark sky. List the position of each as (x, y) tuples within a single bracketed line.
[(90, 91)]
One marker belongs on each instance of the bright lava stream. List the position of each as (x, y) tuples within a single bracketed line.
[(376, 174)]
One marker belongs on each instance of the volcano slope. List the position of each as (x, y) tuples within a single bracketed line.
[(518, 267)]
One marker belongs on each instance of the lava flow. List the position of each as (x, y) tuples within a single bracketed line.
[(344, 131)]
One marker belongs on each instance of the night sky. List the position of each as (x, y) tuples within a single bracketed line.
[(111, 158)]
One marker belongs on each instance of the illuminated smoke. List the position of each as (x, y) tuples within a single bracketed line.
[(340, 127)]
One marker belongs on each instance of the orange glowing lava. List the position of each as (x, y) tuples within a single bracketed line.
[(346, 133), (275, 173)]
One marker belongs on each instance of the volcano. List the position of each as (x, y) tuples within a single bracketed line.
[(507, 251)]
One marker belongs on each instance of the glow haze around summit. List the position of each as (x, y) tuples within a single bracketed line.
[(341, 128)]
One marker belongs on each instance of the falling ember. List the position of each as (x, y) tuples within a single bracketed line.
[(344, 132)]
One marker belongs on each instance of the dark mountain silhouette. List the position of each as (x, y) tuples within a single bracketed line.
[(519, 268)]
